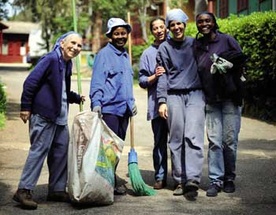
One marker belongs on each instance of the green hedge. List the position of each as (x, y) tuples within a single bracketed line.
[(256, 33), (3, 103)]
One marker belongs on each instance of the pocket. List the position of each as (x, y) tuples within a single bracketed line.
[(113, 83)]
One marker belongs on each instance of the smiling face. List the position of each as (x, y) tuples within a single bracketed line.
[(178, 29), (205, 24), (71, 46), (158, 30), (119, 37)]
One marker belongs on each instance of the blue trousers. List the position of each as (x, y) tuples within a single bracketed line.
[(223, 123), (51, 141), (117, 124), (186, 119), (160, 133)]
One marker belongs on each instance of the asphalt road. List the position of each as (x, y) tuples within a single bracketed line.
[(256, 175)]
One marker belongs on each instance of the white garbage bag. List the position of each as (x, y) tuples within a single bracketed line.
[(94, 151)]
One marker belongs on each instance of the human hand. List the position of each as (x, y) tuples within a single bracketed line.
[(25, 116), (163, 110), (134, 110), (159, 70), (82, 99), (98, 110)]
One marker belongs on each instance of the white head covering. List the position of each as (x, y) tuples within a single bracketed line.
[(176, 15), (116, 22)]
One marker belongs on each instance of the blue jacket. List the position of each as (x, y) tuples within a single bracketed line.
[(112, 82), (42, 89), (147, 68)]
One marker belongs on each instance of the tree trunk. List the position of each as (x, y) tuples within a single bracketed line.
[(96, 32), (200, 6), (142, 17)]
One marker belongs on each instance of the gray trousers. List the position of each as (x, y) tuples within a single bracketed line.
[(186, 118), (47, 140)]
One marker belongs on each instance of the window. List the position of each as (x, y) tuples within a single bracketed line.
[(242, 5), (5, 47), (223, 9)]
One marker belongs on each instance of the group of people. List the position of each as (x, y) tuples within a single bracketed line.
[(192, 83), (182, 82)]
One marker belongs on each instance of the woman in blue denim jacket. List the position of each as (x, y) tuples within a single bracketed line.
[(111, 89)]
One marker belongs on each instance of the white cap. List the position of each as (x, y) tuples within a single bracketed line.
[(116, 22)]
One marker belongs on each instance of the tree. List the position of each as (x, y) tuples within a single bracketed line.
[(54, 16), (102, 10), (139, 7), (200, 6), (3, 9)]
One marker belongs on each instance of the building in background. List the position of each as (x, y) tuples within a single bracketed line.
[(223, 8), (20, 41)]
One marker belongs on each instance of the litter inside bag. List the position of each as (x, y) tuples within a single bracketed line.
[(94, 151)]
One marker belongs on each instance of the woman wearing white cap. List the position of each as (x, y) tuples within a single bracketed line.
[(111, 89), (181, 102)]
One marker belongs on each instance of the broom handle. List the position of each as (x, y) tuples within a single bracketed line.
[(131, 133)]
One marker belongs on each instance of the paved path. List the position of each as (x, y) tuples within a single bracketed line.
[(256, 175)]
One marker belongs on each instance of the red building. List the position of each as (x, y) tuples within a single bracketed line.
[(14, 38)]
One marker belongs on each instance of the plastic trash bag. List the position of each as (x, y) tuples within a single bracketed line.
[(94, 151)]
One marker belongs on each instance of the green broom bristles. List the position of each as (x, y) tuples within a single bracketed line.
[(139, 186)]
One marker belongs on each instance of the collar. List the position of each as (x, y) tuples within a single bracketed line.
[(117, 51)]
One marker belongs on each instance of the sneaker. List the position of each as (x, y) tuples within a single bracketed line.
[(190, 191), (159, 185), (213, 190), (178, 190), (229, 187), (58, 196), (25, 198)]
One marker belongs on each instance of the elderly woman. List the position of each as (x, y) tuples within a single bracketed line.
[(181, 102), (44, 102), (111, 89)]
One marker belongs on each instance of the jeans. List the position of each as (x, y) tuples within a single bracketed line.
[(223, 121), (160, 131), (51, 141)]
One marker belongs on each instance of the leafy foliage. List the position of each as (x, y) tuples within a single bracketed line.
[(3, 11)]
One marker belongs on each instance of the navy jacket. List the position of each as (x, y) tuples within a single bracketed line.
[(42, 89), (221, 87)]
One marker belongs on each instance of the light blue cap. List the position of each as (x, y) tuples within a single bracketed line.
[(176, 15)]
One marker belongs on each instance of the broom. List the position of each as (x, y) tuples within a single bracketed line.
[(139, 186)]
